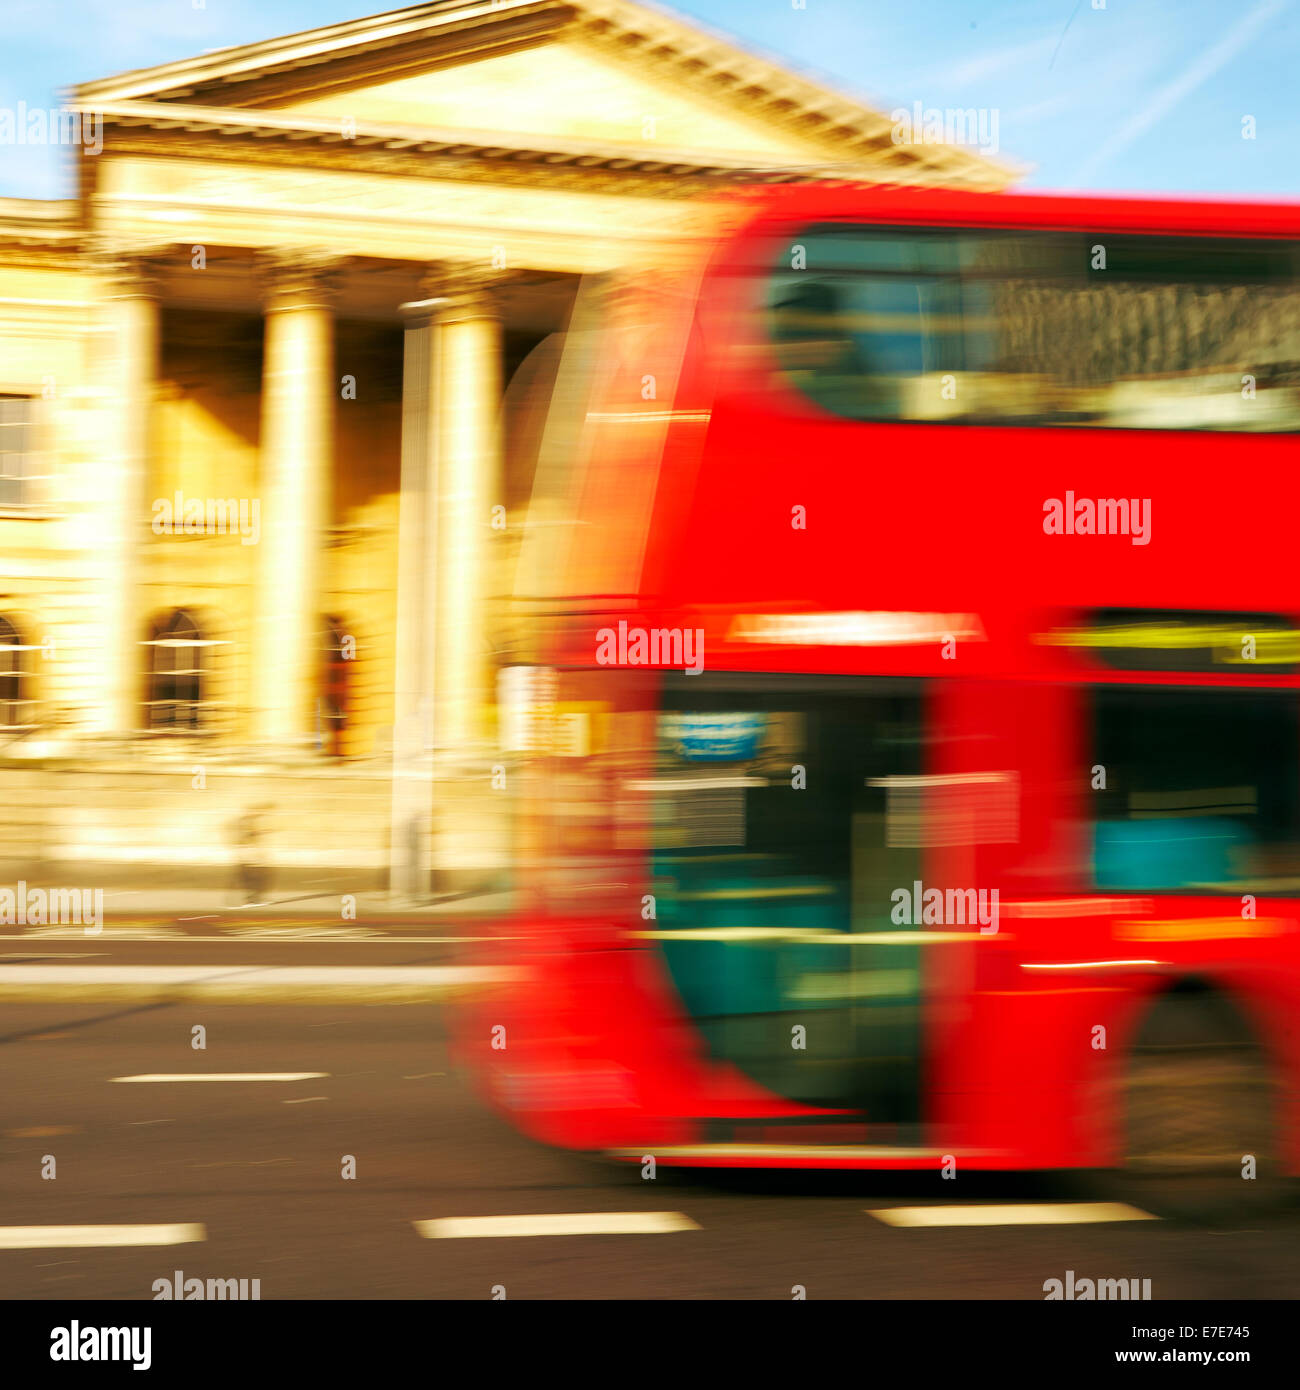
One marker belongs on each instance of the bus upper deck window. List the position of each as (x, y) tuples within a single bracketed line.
[(869, 322)]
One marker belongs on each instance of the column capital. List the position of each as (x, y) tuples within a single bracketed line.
[(298, 278), (453, 291), (131, 267)]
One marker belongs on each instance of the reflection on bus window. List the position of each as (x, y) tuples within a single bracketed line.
[(1201, 791), (1002, 327)]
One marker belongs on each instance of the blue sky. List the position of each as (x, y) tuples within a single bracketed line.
[(1141, 94)]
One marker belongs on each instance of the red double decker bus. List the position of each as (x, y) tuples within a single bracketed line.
[(917, 775)]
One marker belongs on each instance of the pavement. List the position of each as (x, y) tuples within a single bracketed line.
[(128, 906), (161, 946), (336, 1151), (156, 892), (248, 984)]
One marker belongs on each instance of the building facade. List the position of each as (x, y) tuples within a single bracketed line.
[(259, 477)]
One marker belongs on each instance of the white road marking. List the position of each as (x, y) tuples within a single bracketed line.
[(224, 1076), (841, 1151), (61, 955), (1019, 1214), (273, 974), (244, 935), (77, 1237), (61, 933), (306, 933), (582, 1223), (303, 1100)]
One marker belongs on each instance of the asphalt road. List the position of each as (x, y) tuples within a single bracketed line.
[(257, 1167)]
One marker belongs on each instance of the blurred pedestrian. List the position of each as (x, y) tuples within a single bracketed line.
[(251, 862)]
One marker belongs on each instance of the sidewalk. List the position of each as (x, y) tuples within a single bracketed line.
[(71, 982), (168, 915), (200, 906), (148, 894)]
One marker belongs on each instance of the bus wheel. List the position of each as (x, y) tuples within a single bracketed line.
[(1199, 1112)]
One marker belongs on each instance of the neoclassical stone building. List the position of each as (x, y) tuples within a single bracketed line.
[(252, 437)]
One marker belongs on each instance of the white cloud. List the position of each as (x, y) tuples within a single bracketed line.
[(1014, 58), (1169, 96)]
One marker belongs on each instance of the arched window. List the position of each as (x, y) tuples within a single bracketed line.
[(175, 673), (334, 687), (15, 678)]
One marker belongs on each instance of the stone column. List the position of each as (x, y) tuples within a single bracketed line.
[(129, 375), (295, 498), (469, 486), (413, 660)]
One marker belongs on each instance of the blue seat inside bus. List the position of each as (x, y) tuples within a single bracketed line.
[(717, 978), (1177, 852)]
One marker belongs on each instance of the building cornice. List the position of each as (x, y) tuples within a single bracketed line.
[(322, 134), (40, 234), (769, 91), (288, 52)]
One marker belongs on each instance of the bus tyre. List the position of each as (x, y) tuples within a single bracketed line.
[(1198, 1107)]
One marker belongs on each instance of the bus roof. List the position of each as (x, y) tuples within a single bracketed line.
[(909, 204)]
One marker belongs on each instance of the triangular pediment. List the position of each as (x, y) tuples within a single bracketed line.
[(610, 74), (566, 90)]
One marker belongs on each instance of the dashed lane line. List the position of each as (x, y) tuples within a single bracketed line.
[(163, 1076), (85, 1237), (582, 1223), (1017, 1214)]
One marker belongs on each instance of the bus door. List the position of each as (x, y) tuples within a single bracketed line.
[(787, 851)]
